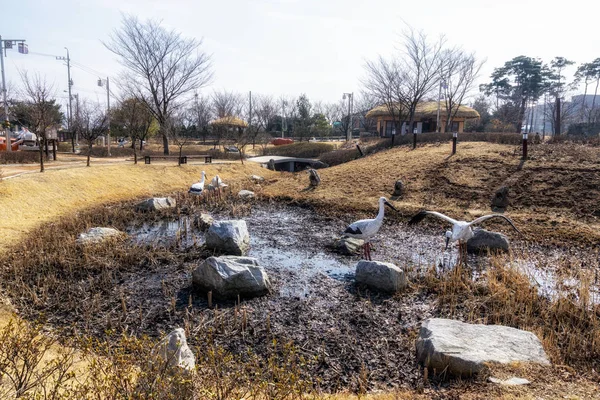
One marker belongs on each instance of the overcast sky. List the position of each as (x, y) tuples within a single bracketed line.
[(317, 47)]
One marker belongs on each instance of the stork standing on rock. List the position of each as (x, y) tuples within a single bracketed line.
[(367, 228), (461, 230)]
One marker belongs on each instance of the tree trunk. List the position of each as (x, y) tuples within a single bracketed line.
[(41, 148), (180, 151), (134, 151), (241, 156), (582, 112), (89, 154), (46, 149), (165, 144), (521, 115), (73, 140), (593, 101), (141, 144), (557, 124)]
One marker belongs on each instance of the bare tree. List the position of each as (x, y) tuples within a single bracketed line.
[(226, 104), (264, 112), (568, 114), (459, 73), (133, 119), (203, 114), (383, 83), (420, 70), (178, 130), (91, 122), (162, 67), (43, 111), (362, 105)]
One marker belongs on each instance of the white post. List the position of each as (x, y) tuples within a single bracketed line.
[(7, 130), (108, 112)]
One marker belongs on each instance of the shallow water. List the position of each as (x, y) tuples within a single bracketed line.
[(292, 242)]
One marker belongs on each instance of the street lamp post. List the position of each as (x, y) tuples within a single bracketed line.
[(350, 104), (100, 83), (8, 44)]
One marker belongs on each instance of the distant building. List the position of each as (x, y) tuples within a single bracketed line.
[(425, 119)]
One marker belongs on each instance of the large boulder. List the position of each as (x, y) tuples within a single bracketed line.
[(230, 276), (463, 349), (98, 235), (229, 237), (155, 203), (313, 178), (381, 276), (246, 194), (485, 241), (174, 350), (347, 246)]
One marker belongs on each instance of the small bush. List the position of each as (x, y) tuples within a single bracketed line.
[(302, 150), (338, 157), (19, 157)]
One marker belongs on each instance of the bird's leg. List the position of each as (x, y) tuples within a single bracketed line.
[(364, 248), (369, 251)]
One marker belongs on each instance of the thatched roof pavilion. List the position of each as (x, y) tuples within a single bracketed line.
[(425, 118), (230, 122)]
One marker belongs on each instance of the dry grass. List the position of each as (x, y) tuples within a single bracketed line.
[(30, 200), (553, 195)]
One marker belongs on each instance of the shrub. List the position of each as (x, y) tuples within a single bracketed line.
[(341, 156), (19, 157), (302, 150)]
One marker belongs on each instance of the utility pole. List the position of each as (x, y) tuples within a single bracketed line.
[(70, 108), (100, 82), (283, 118), (4, 45), (76, 95), (350, 101), (250, 113)]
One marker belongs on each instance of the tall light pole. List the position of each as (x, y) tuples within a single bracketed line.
[(100, 83), (8, 44), (350, 104), (70, 108)]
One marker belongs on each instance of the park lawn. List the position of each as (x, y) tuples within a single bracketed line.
[(33, 199)]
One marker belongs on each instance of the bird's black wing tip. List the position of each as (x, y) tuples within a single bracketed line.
[(420, 216), (353, 231)]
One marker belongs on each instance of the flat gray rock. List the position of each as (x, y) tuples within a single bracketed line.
[(463, 349), (174, 349), (514, 381), (347, 246), (230, 237), (485, 241), (381, 276), (204, 221), (98, 235), (155, 203), (257, 179), (230, 276), (246, 194)]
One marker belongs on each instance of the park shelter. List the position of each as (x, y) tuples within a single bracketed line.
[(425, 118)]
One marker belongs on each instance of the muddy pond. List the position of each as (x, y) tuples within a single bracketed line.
[(315, 303)]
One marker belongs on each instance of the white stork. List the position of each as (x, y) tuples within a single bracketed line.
[(461, 230), (217, 184), (198, 188), (367, 228)]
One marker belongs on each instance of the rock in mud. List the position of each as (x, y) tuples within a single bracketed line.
[(174, 349), (485, 241), (347, 246), (318, 164), (257, 179), (230, 276), (203, 222), (230, 237), (381, 276), (500, 200), (98, 235), (155, 203), (463, 349), (246, 194)]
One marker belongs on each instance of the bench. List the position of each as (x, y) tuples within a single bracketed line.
[(183, 160)]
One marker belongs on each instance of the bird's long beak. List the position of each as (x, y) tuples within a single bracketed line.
[(447, 242), (391, 206)]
